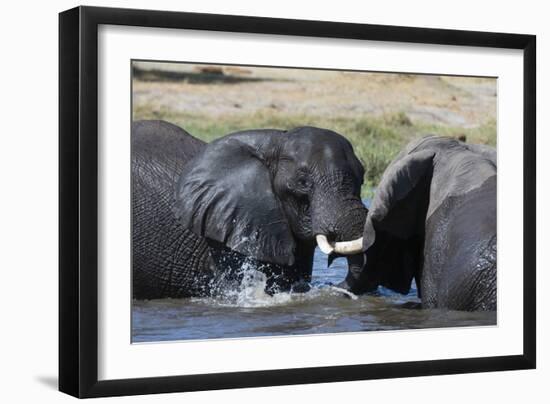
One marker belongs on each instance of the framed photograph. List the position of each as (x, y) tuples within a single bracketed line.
[(251, 201)]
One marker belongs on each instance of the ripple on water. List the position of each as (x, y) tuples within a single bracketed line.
[(247, 311)]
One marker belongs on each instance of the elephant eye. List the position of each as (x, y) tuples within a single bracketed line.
[(303, 184)]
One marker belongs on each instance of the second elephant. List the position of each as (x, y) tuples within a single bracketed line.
[(433, 219)]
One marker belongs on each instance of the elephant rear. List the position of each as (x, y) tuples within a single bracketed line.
[(460, 258), (163, 252)]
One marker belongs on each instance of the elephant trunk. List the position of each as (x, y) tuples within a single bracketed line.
[(338, 226)]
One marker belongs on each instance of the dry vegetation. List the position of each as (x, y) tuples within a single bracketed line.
[(378, 112)]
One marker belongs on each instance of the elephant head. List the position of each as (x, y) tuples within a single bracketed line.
[(269, 194), (433, 218)]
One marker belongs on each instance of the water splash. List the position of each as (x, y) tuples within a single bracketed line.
[(245, 288), (249, 291)]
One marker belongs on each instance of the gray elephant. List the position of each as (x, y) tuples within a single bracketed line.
[(261, 197), (433, 219)]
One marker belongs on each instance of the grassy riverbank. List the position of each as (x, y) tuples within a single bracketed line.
[(378, 113)]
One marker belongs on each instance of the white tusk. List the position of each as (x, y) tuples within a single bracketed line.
[(341, 247), (323, 244), (348, 247)]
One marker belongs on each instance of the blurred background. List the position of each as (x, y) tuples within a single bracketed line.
[(378, 112)]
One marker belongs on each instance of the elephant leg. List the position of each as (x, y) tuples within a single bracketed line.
[(295, 278), (418, 282), (355, 273), (303, 267)]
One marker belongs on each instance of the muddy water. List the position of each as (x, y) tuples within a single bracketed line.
[(249, 312)]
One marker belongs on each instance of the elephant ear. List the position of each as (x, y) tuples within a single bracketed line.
[(225, 194), (393, 235), (400, 197)]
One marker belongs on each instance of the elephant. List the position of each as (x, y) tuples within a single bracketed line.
[(433, 219), (261, 197)]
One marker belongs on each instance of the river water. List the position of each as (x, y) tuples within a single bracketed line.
[(250, 312)]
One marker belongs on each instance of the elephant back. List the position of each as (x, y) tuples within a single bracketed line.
[(162, 148)]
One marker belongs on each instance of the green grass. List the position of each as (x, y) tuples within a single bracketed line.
[(376, 141)]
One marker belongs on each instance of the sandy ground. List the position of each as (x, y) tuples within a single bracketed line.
[(466, 102)]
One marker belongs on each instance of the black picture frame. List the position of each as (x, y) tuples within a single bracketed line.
[(78, 200)]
